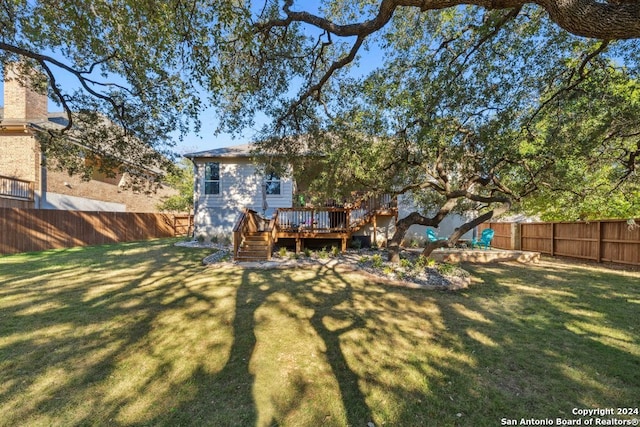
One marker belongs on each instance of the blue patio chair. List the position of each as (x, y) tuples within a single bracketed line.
[(485, 239), (433, 237)]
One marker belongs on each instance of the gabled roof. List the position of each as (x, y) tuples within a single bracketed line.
[(59, 120), (242, 150), (299, 145), (56, 120)]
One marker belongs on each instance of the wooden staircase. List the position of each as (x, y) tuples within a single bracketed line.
[(255, 246)]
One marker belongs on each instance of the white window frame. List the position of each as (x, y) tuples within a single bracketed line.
[(206, 181), (273, 181)]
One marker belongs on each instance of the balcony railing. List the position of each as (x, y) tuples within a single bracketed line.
[(16, 188)]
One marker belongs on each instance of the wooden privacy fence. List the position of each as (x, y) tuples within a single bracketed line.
[(26, 230), (616, 241)]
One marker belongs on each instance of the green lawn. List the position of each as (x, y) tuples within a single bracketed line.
[(143, 334)]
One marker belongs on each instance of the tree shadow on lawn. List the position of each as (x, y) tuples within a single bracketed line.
[(395, 356), (72, 320), (549, 338), (187, 345)]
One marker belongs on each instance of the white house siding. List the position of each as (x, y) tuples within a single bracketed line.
[(240, 188)]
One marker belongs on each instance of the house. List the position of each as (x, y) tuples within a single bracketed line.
[(25, 183), (234, 196)]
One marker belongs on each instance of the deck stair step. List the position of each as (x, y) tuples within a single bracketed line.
[(254, 247), (256, 235)]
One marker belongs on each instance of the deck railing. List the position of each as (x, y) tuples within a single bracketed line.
[(250, 221), (16, 188), (309, 220), (332, 219)]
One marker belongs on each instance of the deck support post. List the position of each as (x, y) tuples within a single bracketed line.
[(375, 229), (299, 245)]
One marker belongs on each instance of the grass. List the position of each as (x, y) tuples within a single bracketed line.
[(142, 334)]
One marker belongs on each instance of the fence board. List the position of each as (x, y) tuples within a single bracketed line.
[(502, 234), (27, 230), (613, 241)]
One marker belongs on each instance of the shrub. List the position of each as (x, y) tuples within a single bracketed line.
[(377, 261), (335, 251), (214, 239), (307, 252), (200, 238), (355, 244), (282, 252), (445, 268), (363, 259), (405, 263), (323, 254)]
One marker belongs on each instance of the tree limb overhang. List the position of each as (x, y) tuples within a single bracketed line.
[(612, 20)]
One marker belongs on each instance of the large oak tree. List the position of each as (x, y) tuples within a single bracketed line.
[(145, 66)]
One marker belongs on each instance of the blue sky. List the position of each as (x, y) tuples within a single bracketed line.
[(205, 139)]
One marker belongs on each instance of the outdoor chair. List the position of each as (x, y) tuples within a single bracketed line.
[(433, 237), (485, 239)]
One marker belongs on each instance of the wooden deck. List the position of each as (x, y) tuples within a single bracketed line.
[(300, 224)]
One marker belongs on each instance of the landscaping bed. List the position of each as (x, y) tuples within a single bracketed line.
[(413, 270)]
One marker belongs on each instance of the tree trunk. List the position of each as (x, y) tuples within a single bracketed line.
[(402, 226), (393, 247)]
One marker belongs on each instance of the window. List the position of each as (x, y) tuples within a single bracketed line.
[(212, 178), (272, 184)]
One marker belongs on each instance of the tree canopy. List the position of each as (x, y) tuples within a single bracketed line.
[(486, 122), (500, 84)]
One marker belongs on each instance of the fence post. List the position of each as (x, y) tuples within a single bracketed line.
[(553, 238), (515, 236), (599, 248)]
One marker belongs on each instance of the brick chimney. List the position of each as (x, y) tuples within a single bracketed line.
[(21, 102)]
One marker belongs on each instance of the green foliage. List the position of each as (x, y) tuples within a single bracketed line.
[(565, 105), (405, 263), (323, 254), (282, 252), (180, 178), (377, 261), (446, 268), (467, 96), (135, 70)]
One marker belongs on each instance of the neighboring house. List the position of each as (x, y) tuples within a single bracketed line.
[(24, 183)]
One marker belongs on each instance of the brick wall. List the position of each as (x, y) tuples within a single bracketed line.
[(20, 102), (19, 157), (62, 183)]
